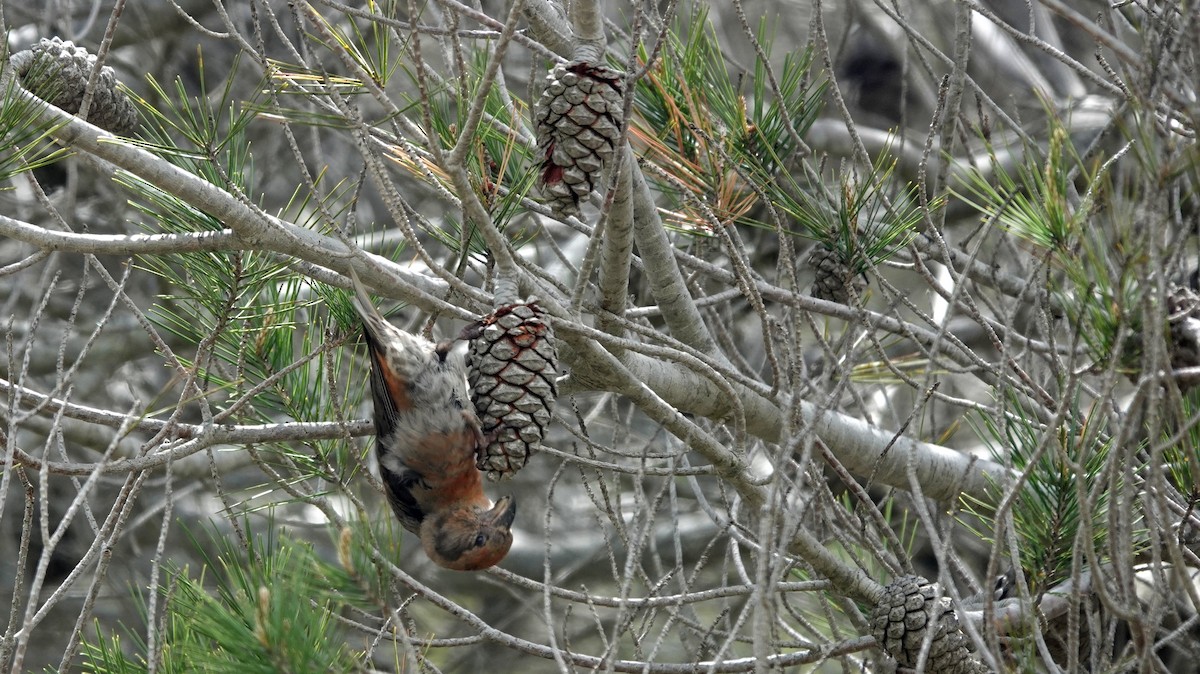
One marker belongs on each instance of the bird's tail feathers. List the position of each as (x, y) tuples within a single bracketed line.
[(377, 328), (362, 301), (404, 351)]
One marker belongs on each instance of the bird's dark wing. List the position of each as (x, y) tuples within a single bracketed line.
[(399, 491)]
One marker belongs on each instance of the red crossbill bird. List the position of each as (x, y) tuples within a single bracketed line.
[(427, 439)]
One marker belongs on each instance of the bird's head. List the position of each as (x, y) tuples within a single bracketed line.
[(469, 538)]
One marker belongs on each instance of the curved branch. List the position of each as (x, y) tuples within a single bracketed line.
[(588, 20), (862, 448), (549, 26), (252, 230), (119, 244), (666, 280), (199, 436), (616, 252)]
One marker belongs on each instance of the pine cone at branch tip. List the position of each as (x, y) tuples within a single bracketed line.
[(511, 368), (57, 71), (578, 123), (833, 277), (902, 618)]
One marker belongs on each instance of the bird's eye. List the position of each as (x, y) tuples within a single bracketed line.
[(480, 540)]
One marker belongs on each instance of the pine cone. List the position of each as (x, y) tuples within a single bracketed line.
[(511, 367), (1183, 319), (57, 71), (900, 620), (834, 277), (579, 119)]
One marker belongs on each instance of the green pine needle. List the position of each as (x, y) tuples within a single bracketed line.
[(268, 609), (1034, 205), (1047, 515), (866, 222), (1096, 256), (1181, 451), (693, 120), (273, 341), (26, 145)]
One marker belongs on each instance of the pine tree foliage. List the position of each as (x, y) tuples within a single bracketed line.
[(270, 607), (876, 333)]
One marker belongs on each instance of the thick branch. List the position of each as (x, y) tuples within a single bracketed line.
[(617, 247), (666, 280), (862, 448), (549, 26), (253, 229), (119, 244), (588, 23)]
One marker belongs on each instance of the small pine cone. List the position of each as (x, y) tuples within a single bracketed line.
[(511, 367), (834, 277), (578, 119), (57, 71), (1183, 320), (900, 620)]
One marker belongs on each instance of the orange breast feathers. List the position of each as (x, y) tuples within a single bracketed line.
[(446, 464)]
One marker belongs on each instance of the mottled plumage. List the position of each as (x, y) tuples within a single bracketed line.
[(427, 439)]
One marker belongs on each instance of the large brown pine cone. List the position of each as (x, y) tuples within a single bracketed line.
[(899, 622), (578, 122), (511, 367)]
